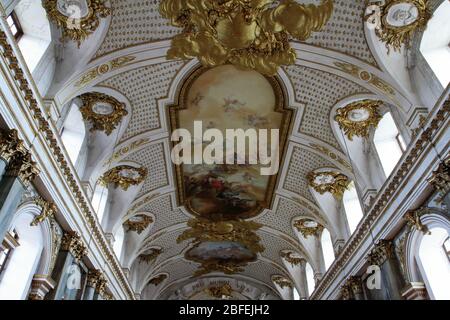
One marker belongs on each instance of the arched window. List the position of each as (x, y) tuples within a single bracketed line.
[(73, 133), (99, 200), (327, 248), (352, 207), (35, 37), (389, 143), (435, 43), (24, 260), (118, 242), (310, 278), (434, 259)]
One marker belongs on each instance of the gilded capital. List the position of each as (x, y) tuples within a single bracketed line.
[(440, 179), (93, 278), (11, 145), (72, 242), (383, 251)]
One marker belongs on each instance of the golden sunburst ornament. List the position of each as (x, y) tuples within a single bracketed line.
[(252, 34)]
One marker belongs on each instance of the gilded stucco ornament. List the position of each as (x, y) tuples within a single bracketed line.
[(397, 21), (124, 176), (282, 282), (252, 34), (414, 220), (440, 179), (291, 257), (138, 223), (150, 255), (77, 19), (48, 211), (156, 281), (357, 118), (103, 112), (308, 227), (333, 182), (223, 291), (10, 144)]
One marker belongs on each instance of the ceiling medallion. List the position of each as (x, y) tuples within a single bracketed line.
[(139, 223), (78, 19), (124, 176), (156, 281), (308, 227), (150, 255), (333, 182), (282, 282), (357, 118), (223, 246), (291, 257), (252, 34), (396, 21), (102, 111)]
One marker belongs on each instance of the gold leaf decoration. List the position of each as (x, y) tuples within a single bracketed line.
[(156, 281), (48, 211), (357, 118), (150, 255), (80, 19), (292, 258), (333, 182), (282, 282), (139, 223), (248, 33), (396, 21), (124, 176), (102, 111), (308, 227), (220, 292)]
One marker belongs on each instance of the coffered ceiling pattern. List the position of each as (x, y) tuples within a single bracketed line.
[(143, 89), (320, 91)]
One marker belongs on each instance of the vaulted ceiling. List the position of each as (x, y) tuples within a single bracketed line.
[(130, 63)]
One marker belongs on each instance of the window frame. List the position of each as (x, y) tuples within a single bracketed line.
[(10, 242), (19, 34)]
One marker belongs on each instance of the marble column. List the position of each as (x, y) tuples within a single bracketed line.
[(72, 251), (19, 173), (40, 287), (304, 292), (383, 255), (93, 279)]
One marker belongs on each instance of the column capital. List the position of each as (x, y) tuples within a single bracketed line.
[(40, 286), (11, 145), (23, 167), (346, 292), (93, 278), (72, 242), (382, 251), (355, 284)]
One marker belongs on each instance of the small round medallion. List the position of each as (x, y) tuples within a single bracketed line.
[(402, 14), (358, 115), (103, 109)]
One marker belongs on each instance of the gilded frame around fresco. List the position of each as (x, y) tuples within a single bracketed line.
[(286, 127)]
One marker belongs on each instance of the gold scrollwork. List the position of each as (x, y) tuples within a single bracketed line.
[(333, 182), (220, 292), (150, 255), (282, 282), (406, 22), (138, 223), (74, 24), (308, 227), (156, 281), (291, 258), (440, 178), (48, 210), (105, 119), (249, 33), (413, 217), (124, 176), (357, 118)]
